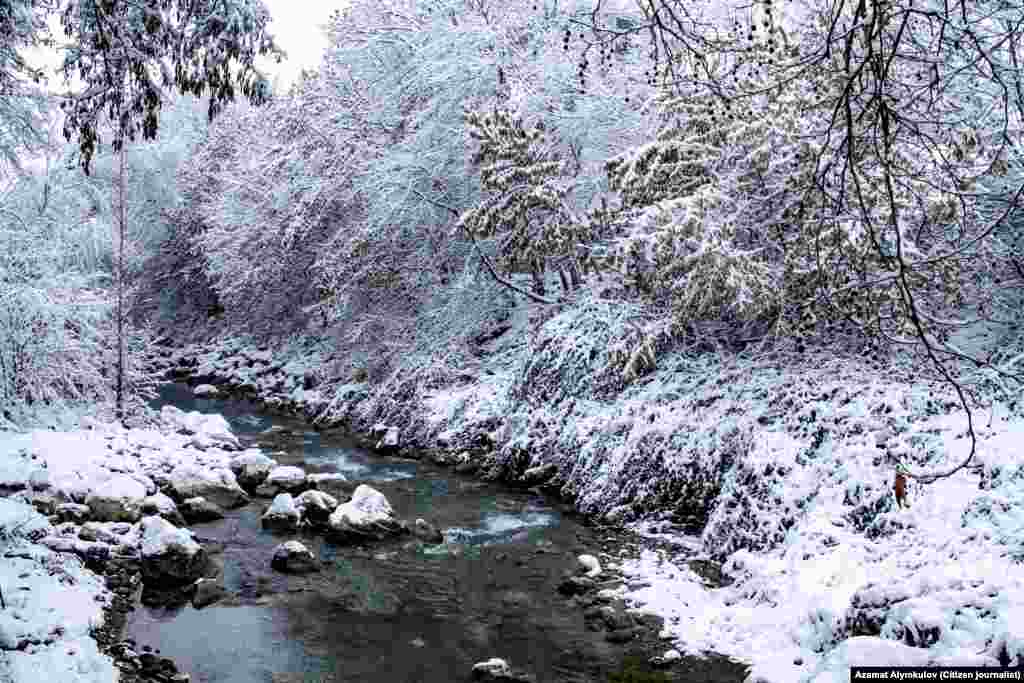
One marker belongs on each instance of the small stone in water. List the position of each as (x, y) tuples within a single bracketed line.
[(418, 642)]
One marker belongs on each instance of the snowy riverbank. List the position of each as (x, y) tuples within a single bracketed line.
[(776, 473), (55, 596)]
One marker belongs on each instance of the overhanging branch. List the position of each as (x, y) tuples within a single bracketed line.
[(483, 257)]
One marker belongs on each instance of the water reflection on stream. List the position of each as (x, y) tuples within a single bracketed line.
[(398, 611)]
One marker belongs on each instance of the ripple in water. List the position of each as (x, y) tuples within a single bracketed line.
[(498, 527)]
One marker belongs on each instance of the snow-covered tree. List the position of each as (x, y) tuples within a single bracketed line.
[(524, 205), (906, 116), (127, 56)]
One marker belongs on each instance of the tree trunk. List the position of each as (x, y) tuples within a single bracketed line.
[(574, 274), (121, 219), (537, 270)]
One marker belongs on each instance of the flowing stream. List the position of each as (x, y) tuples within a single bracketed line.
[(399, 611)]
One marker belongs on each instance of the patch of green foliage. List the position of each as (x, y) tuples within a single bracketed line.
[(636, 670)]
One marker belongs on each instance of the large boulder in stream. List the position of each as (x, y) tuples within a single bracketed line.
[(315, 508), (251, 468), (206, 391), (162, 505), (367, 516), (282, 515), (118, 499), (285, 478), (207, 430), (216, 485), (198, 510), (170, 556)]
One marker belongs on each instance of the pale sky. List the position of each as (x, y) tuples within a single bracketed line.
[(296, 29)]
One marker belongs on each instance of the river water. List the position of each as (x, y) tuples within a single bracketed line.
[(398, 611)]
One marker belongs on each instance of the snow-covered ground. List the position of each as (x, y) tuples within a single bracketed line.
[(785, 464), (53, 603), (844, 577)]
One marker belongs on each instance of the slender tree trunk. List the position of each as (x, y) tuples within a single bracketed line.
[(119, 284), (537, 270), (574, 274)]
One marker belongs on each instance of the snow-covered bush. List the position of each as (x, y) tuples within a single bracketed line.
[(753, 509), (593, 349)]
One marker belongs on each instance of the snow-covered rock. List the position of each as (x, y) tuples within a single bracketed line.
[(390, 441), (19, 520), (491, 668), (217, 485), (367, 515), (161, 504), (666, 659), (198, 510), (170, 556), (496, 669), (294, 558), (287, 478), (251, 468), (72, 512), (111, 533), (211, 429), (282, 514), (206, 391), (119, 499), (92, 551), (535, 476), (315, 507), (589, 565), (330, 482)]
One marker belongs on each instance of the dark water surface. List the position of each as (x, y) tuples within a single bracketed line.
[(399, 611)]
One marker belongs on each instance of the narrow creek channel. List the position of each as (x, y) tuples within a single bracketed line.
[(397, 611)]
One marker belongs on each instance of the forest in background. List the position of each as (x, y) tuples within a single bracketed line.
[(730, 179)]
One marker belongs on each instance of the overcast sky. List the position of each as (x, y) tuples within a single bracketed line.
[(296, 28)]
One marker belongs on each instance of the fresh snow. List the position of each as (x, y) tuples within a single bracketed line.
[(159, 535), (53, 603), (368, 505), (946, 568), (801, 521)]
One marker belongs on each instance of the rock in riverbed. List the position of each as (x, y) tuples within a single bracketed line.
[(315, 507), (216, 485), (119, 499), (252, 468), (294, 558), (170, 556), (367, 515), (198, 510), (282, 515)]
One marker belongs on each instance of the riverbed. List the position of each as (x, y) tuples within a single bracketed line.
[(400, 610)]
